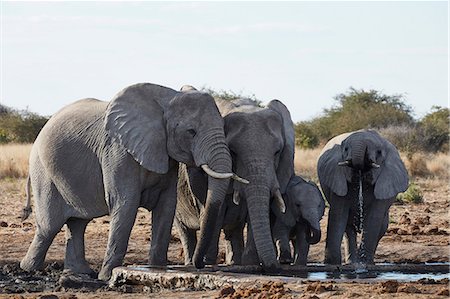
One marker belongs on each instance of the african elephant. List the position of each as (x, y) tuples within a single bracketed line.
[(300, 223), (360, 174), (94, 158), (261, 142)]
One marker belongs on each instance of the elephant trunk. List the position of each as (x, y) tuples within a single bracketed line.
[(258, 196), (219, 161), (358, 154)]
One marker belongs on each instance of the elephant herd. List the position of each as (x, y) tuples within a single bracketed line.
[(204, 165)]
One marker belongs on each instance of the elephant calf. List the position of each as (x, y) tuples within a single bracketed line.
[(361, 173), (305, 206)]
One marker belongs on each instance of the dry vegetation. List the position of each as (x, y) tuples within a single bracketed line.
[(418, 164), (14, 160)]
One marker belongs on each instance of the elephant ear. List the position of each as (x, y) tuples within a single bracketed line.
[(135, 119), (392, 177), (330, 173), (285, 168)]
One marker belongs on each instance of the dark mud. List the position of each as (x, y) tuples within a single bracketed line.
[(14, 280)]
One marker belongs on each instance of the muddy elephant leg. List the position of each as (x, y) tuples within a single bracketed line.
[(162, 220), (301, 246), (188, 239), (337, 223), (75, 256), (213, 251), (250, 254), (280, 233), (45, 230), (375, 222), (351, 247)]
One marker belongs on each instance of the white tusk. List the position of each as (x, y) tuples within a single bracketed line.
[(375, 165), (225, 175), (236, 198), (214, 174), (344, 163), (280, 201), (239, 179)]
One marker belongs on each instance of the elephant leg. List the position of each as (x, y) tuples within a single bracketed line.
[(280, 233), (213, 251), (235, 245), (375, 222), (301, 246), (45, 230), (162, 220), (122, 221), (250, 254), (75, 256), (188, 239), (337, 223), (351, 246)]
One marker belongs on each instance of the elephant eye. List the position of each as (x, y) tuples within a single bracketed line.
[(192, 132), (277, 152), (378, 152)]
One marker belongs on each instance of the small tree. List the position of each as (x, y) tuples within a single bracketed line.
[(435, 129)]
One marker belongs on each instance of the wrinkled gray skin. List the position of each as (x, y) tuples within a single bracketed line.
[(300, 223), (381, 182), (261, 141), (95, 158)]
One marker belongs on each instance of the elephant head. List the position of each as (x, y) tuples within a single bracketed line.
[(156, 124), (304, 204), (366, 152), (261, 142)]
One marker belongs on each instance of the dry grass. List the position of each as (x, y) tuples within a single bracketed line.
[(418, 165), (14, 160), (305, 162)]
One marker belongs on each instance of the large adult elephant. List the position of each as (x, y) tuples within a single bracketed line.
[(94, 158), (261, 141), (360, 173)]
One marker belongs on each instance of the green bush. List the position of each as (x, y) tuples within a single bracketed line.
[(435, 129), (412, 195), (355, 110), (19, 126), (304, 136)]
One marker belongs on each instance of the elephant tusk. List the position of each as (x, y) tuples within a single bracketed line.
[(239, 179), (375, 165), (280, 201), (344, 163), (236, 198), (226, 175)]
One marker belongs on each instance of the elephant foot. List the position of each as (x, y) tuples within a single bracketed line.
[(285, 259), (80, 268), (105, 274), (274, 268), (31, 265)]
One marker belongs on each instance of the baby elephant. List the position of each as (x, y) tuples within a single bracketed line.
[(305, 206)]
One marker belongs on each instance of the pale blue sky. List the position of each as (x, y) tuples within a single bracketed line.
[(302, 53)]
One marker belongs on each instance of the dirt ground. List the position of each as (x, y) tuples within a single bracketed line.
[(417, 233)]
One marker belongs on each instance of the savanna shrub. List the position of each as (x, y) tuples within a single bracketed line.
[(412, 195)]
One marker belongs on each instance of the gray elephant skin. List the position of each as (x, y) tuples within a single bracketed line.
[(261, 142), (361, 174), (95, 158), (300, 223)]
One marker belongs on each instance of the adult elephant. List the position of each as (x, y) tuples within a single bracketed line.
[(300, 223), (360, 173), (261, 141), (94, 158)]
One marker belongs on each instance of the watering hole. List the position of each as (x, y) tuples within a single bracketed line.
[(217, 276)]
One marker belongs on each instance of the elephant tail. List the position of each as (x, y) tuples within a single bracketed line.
[(27, 210)]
